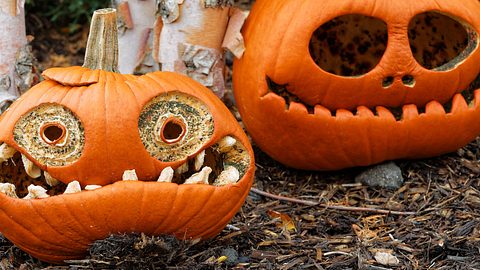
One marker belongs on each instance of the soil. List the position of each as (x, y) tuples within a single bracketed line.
[(442, 232)]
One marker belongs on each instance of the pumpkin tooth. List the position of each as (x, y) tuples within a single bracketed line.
[(459, 104), (32, 170), (476, 99), (8, 189), (434, 107), (6, 152), (225, 144), (166, 176), (50, 180), (182, 169), (409, 112), (322, 111), (230, 175), (92, 187), (130, 175), (385, 113), (364, 112), (73, 187), (36, 192), (199, 159), (200, 177)]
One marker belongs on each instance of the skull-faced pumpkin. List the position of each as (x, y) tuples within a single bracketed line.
[(68, 142), (328, 84)]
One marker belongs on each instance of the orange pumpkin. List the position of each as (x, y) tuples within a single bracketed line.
[(98, 127), (325, 85)]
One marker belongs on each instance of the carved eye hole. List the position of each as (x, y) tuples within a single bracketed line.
[(173, 130), (53, 133), (440, 42), (349, 45)]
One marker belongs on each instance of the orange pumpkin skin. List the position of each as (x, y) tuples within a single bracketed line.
[(109, 106), (342, 130)]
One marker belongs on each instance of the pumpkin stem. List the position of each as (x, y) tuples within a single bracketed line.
[(102, 45)]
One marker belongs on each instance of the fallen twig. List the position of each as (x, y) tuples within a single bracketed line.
[(335, 207)]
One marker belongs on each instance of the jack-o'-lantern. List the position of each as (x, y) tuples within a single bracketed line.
[(187, 165), (328, 84)]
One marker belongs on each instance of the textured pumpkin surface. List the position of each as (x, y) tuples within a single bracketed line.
[(308, 118), (109, 106)]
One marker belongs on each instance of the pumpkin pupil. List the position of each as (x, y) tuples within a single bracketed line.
[(349, 45), (172, 131), (53, 133), (439, 41)]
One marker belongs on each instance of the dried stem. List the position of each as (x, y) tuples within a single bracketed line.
[(335, 207), (102, 45)]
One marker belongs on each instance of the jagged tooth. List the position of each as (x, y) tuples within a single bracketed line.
[(476, 99), (363, 111), (6, 152), (8, 189), (92, 187), (166, 176), (229, 176), (322, 111), (434, 107), (297, 107), (130, 175), (182, 169), (36, 192), (225, 144), (50, 180), (385, 113), (459, 104), (32, 170), (343, 114), (73, 187), (199, 159), (409, 112), (200, 177)]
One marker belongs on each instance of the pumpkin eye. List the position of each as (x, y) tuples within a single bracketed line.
[(349, 45), (51, 134), (174, 126), (440, 42)]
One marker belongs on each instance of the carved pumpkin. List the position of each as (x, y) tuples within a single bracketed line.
[(81, 131), (326, 84)]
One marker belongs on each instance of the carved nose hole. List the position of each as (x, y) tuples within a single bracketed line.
[(387, 82), (408, 80)]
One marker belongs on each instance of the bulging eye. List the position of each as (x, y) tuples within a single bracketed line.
[(51, 134), (174, 126)]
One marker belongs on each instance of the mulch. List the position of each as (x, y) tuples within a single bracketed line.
[(443, 232)]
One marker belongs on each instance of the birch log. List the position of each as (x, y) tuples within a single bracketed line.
[(191, 39), (16, 62), (135, 24)]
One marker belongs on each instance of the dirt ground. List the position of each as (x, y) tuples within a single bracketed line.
[(442, 232)]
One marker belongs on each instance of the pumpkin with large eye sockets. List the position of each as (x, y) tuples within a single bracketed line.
[(326, 85), (67, 144)]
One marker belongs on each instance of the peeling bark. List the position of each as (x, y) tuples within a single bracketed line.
[(191, 39), (17, 71), (136, 36)]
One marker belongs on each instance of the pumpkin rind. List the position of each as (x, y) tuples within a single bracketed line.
[(336, 122)]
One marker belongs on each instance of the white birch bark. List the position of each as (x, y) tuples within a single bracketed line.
[(191, 39), (12, 41), (136, 22)]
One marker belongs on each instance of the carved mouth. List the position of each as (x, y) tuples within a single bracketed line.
[(466, 98), (221, 164)]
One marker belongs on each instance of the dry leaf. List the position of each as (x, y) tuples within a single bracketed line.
[(286, 224)]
